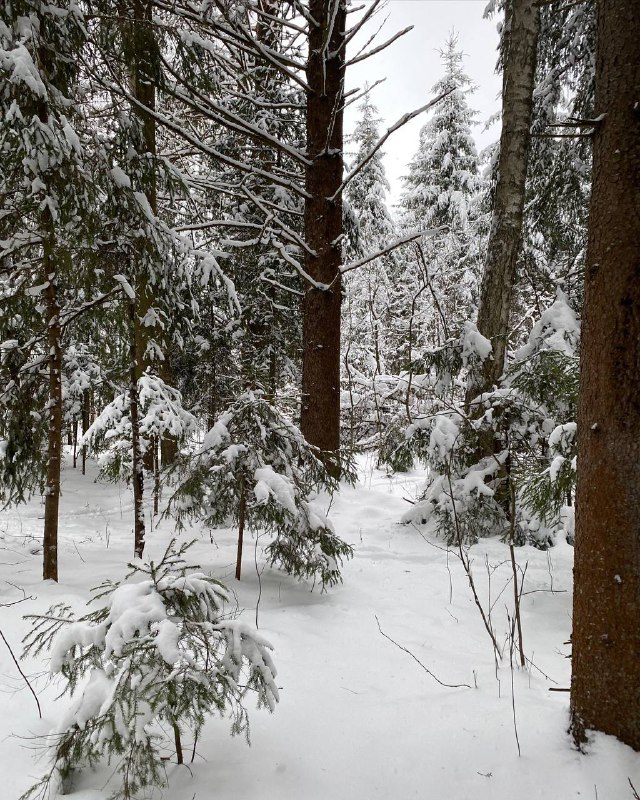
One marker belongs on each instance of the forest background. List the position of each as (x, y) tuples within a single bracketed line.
[(205, 288)]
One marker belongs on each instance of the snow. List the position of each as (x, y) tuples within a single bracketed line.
[(270, 484), (474, 345), (557, 329), (20, 64), (122, 180), (358, 718)]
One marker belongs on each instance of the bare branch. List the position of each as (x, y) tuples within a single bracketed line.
[(19, 668), (380, 47), (394, 244), (353, 31), (399, 124), (417, 660), (360, 94)]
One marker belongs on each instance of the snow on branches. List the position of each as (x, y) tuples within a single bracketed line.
[(160, 654)]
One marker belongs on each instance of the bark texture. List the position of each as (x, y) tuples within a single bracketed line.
[(54, 445), (320, 414), (605, 687), (52, 258), (143, 87), (522, 22)]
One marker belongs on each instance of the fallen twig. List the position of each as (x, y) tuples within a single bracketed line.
[(426, 669), (24, 677)]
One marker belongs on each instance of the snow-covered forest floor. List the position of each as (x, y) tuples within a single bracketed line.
[(359, 717)]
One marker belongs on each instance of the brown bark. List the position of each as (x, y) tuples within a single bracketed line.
[(144, 90), (320, 413), (605, 687), (51, 257), (522, 22), (54, 447)]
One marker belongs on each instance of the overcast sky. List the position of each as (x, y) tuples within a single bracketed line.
[(412, 65)]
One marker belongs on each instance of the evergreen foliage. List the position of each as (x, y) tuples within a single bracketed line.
[(442, 183), (528, 419), (47, 221), (255, 468), (161, 414), (370, 341), (160, 653)]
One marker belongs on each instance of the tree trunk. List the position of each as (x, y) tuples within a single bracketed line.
[(74, 441), (242, 512), (320, 414), (522, 27), (136, 450), (143, 88), (86, 422), (605, 686), (54, 447), (51, 258)]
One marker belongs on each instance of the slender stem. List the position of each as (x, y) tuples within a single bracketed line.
[(241, 520)]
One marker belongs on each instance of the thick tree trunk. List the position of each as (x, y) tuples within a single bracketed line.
[(54, 448), (522, 23), (605, 687), (320, 414)]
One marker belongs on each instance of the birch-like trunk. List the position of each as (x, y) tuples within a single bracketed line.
[(605, 686), (522, 28)]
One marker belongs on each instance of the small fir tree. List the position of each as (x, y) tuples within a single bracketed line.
[(528, 479), (161, 414), (255, 469), (160, 654)]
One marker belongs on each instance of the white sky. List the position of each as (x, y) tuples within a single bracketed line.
[(412, 65)]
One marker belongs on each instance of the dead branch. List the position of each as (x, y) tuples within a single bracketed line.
[(19, 668), (426, 669), (396, 126)]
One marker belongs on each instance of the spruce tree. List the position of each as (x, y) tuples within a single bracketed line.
[(370, 343), (442, 183), (49, 199), (442, 190)]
